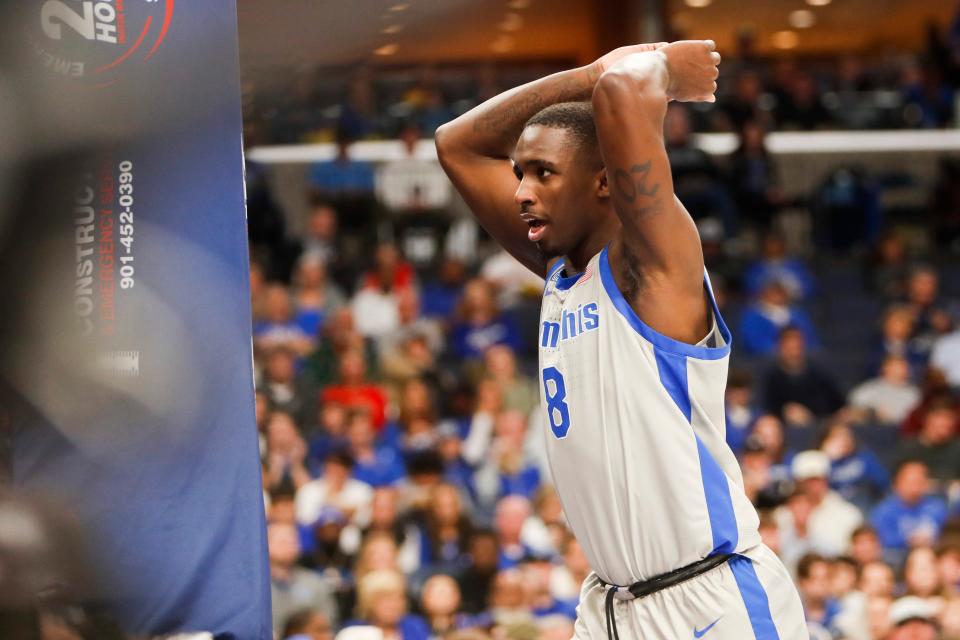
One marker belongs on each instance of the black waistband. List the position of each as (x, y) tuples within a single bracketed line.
[(675, 577), (656, 583)]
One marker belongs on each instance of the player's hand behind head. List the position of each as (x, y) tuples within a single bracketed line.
[(692, 65)]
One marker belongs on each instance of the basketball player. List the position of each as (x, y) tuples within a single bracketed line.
[(569, 173)]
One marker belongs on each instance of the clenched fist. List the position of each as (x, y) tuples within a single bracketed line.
[(692, 68)]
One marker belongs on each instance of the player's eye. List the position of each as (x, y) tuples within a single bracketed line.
[(543, 172), (517, 172)]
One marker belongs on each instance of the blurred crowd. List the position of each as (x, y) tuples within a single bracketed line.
[(887, 91)]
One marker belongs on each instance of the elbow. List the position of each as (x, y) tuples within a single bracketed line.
[(441, 139), (624, 86)]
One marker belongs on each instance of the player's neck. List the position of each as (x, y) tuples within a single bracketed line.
[(576, 260)]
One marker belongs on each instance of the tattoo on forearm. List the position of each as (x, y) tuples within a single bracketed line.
[(506, 119)]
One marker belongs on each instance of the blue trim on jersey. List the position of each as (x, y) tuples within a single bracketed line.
[(754, 598), (659, 340), (673, 376), (672, 370), (565, 282), (556, 267), (723, 520)]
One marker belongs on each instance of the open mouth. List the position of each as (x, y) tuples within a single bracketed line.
[(536, 230)]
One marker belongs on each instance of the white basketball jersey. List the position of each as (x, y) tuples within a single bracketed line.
[(635, 432)]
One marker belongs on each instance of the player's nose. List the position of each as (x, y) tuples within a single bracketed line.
[(524, 195)]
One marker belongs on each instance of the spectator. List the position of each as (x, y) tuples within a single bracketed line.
[(412, 183), (322, 549), (337, 489), (742, 107), (801, 108), (832, 519), (512, 512), (480, 325), (279, 327), (314, 296), (932, 312), (795, 389), (330, 433), (886, 267), (865, 545), (696, 178), (440, 602), (936, 445), (775, 264), (519, 392), (376, 304), (382, 603), (374, 465), (342, 177), (910, 516), (320, 236), (934, 394), (293, 588), (446, 530), (855, 473), (439, 297), (876, 579), (509, 470), (287, 453), (308, 623), (895, 340), (912, 618), (280, 384), (946, 357), (813, 580), (766, 484), (508, 604), (511, 280), (477, 579), (339, 336), (386, 519), (768, 316), (921, 577), (568, 578), (889, 398), (740, 408), (353, 391)]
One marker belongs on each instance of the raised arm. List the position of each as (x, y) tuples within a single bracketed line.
[(475, 149), (657, 261)]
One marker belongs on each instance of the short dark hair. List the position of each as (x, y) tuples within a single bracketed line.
[(575, 117), (806, 564)]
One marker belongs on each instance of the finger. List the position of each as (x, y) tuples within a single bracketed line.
[(711, 45), (715, 57)]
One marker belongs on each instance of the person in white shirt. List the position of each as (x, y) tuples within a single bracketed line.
[(832, 519), (946, 357), (890, 397), (337, 489)]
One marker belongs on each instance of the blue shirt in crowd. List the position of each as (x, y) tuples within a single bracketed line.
[(896, 521)]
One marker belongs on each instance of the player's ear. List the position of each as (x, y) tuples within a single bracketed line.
[(603, 189)]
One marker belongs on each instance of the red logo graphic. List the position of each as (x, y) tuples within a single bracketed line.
[(94, 39)]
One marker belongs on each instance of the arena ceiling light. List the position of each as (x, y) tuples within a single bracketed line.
[(400, 6), (802, 19), (518, 4), (511, 22), (502, 44), (392, 29), (697, 4), (785, 39), (387, 49), (818, 3)]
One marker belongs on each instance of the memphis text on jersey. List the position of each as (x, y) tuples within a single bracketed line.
[(586, 318)]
